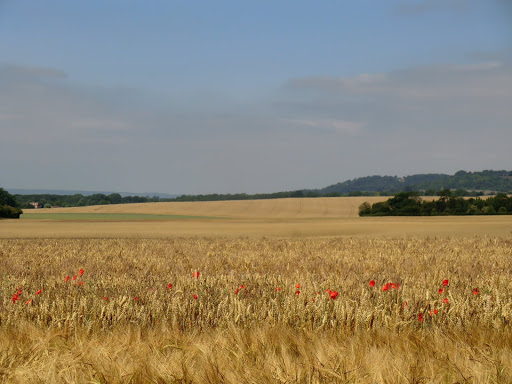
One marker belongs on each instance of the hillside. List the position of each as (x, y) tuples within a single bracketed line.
[(492, 181)]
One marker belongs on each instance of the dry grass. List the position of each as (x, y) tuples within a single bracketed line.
[(69, 333), (256, 228)]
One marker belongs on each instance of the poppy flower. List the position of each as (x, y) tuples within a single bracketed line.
[(105, 298), (38, 292), (67, 278), (436, 311), (446, 282), (333, 295), (15, 298), (404, 304), (196, 274), (242, 286), (195, 297), (441, 291), (169, 286), (420, 318), (279, 289), (237, 290), (297, 286), (74, 278), (28, 302), (475, 291), (328, 291), (297, 292), (386, 287), (372, 283), (446, 301), (80, 272)]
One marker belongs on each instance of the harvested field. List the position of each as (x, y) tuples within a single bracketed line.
[(326, 207)]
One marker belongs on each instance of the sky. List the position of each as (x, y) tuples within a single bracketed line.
[(196, 97)]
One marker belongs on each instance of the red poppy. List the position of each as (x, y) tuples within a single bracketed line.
[(279, 289), (74, 278), (420, 318), (404, 304), (136, 298), (242, 286), (328, 291), (14, 298), (446, 282), (446, 301), (237, 290), (372, 283), (28, 302), (105, 298), (386, 287), (297, 292), (333, 295), (475, 291), (67, 278), (195, 297), (436, 311), (441, 291), (80, 283), (169, 286), (80, 272), (38, 292), (196, 274), (297, 286)]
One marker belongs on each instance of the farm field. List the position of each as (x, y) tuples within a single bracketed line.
[(270, 208), (233, 296), (337, 216)]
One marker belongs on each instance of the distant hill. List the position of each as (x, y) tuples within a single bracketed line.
[(17, 191), (492, 181)]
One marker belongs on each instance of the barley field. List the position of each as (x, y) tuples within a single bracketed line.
[(406, 300)]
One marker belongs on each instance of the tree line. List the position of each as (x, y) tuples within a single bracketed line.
[(410, 204), (79, 200), (9, 207)]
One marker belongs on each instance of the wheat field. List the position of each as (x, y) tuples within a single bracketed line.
[(270, 208), (418, 301)]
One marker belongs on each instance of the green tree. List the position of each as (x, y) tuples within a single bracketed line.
[(8, 205)]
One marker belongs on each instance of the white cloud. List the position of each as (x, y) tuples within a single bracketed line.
[(339, 126)]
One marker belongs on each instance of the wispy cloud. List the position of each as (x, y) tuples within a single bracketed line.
[(338, 126), (422, 6)]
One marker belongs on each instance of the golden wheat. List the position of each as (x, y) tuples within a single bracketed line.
[(121, 320)]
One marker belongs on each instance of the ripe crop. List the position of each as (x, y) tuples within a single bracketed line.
[(238, 293)]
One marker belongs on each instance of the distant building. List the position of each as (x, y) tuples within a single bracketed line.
[(35, 204)]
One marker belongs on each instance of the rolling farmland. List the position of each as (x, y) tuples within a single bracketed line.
[(292, 290)]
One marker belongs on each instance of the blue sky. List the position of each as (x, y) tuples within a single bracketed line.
[(205, 97)]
